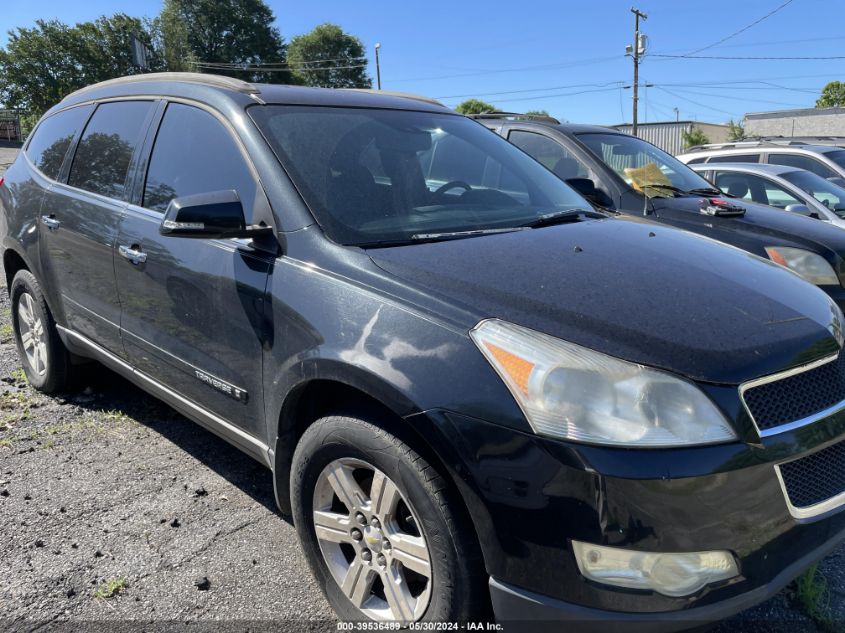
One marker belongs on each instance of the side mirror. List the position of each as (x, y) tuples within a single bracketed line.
[(588, 189), (213, 215), (802, 209)]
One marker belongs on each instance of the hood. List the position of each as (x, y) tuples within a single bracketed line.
[(633, 289), (765, 226)]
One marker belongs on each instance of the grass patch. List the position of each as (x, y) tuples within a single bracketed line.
[(6, 333), (110, 588), (812, 594), (19, 375)]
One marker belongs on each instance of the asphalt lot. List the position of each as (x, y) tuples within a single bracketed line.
[(115, 509)]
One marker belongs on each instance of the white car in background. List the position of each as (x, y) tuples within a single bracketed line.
[(788, 188), (824, 160)]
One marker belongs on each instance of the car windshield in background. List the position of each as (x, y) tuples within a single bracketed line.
[(837, 156), (378, 177), (643, 166), (829, 194)]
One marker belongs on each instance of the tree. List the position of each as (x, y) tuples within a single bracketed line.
[(833, 95), (229, 37), (694, 136), (41, 65), (475, 106), (736, 131), (327, 57), (537, 113)]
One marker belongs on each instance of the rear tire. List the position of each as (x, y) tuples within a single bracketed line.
[(410, 556), (44, 358)]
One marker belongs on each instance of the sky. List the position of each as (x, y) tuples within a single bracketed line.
[(565, 57)]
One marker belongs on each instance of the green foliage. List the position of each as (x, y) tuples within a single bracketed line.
[(475, 106), (230, 33), (833, 95), (694, 137), (812, 594), (327, 57), (110, 588), (736, 131), (537, 113), (41, 65)]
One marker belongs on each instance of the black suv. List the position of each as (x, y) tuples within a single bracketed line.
[(622, 173), (470, 395)]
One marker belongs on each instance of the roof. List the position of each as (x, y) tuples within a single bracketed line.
[(198, 85), (744, 146), (798, 112), (761, 168)]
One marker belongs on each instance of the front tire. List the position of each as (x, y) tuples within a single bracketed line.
[(379, 530), (44, 358)]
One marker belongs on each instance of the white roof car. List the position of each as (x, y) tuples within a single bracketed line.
[(824, 160), (779, 186)]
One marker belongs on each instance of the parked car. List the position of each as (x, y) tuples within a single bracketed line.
[(469, 394), (827, 161), (787, 188), (625, 174)]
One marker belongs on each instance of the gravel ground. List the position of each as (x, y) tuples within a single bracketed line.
[(114, 509)]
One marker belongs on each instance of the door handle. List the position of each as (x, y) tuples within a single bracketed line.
[(133, 254), (50, 221)]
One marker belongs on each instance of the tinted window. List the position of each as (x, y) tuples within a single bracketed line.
[(102, 158), (195, 153), (802, 162), (51, 140), (756, 188), (696, 161), (552, 154), (735, 158), (433, 174)]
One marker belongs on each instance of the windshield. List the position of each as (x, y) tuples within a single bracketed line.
[(385, 176), (830, 195), (642, 165)]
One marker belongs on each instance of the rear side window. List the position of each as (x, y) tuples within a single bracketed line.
[(735, 158), (803, 162), (195, 153), (102, 158), (51, 140), (696, 161)]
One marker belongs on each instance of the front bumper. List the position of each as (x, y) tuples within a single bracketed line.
[(525, 610), (529, 497)]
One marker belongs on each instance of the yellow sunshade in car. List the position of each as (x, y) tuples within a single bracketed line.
[(649, 175)]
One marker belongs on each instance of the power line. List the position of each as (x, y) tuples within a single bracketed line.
[(697, 103), (510, 92), (789, 58), (742, 30)]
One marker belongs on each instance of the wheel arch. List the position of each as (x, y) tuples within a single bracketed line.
[(353, 391)]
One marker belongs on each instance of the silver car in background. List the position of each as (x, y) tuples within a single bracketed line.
[(788, 188)]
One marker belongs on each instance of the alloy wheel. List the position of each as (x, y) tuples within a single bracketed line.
[(33, 336), (372, 542)]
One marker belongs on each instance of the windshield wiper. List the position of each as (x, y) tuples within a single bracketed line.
[(455, 235), (707, 191), (559, 217), (656, 185)]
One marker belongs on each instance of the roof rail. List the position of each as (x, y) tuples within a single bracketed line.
[(218, 81), (394, 93), (542, 118)]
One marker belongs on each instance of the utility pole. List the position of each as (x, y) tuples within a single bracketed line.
[(677, 114), (636, 51), (378, 69)]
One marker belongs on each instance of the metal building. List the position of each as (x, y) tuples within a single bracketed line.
[(668, 135)]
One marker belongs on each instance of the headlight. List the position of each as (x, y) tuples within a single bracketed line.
[(671, 574), (573, 393), (811, 266)]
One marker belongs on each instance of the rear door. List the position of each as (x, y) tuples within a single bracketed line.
[(194, 310), (80, 218)]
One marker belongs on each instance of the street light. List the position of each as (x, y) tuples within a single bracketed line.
[(378, 69)]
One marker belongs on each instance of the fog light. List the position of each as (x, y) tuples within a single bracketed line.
[(666, 573)]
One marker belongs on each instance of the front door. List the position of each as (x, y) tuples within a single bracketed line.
[(80, 218), (193, 310)]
